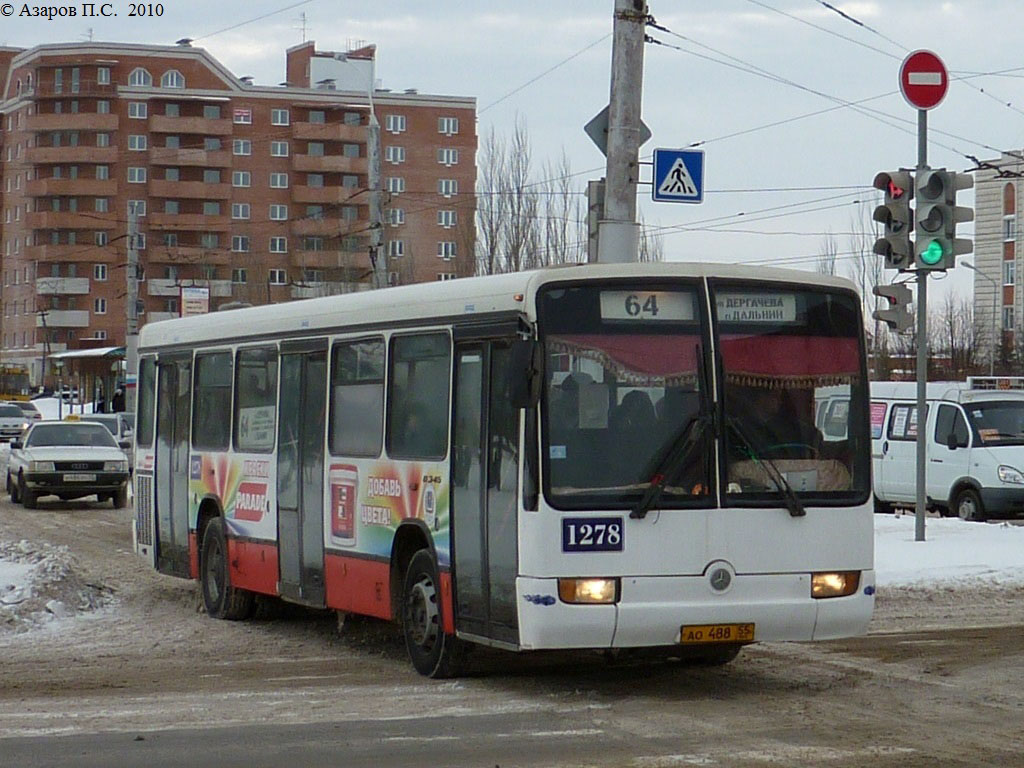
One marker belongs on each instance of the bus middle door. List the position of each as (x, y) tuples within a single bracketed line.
[(171, 474), (300, 471)]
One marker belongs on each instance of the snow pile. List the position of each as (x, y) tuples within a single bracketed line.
[(39, 583)]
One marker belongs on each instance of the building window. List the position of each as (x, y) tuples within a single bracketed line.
[(446, 250), (103, 76), (211, 176), (209, 240), (394, 123), (446, 218), (172, 142), (396, 248), (315, 148), (279, 149), (103, 107), (1009, 227), (446, 276), (172, 78), (278, 277), (314, 179), (171, 239), (1009, 272), (138, 110), (279, 117), (211, 111), (211, 208), (352, 118), (242, 147), (139, 77), (317, 116), (102, 172), (447, 187), (243, 116), (102, 205), (99, 272), (355, 150), (171, 305), (100, 238), (140, 241), (136, 175), (279, 245), (1007, 318), (137, 143), (99, 306), (394, 155), (240, 210), (211, 143), (278, 212), (449, 126), (349, 213), (238, 275), (448, 156), (241, 179), (138, 207), (314, 212), (172, 207), (312, 243), (279, 181), (240, 244), (312, 275), (396, 184)]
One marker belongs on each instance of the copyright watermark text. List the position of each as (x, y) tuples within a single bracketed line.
[(81, 10)]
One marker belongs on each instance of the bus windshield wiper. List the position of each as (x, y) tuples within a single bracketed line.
[(793, 503), (672, 463)]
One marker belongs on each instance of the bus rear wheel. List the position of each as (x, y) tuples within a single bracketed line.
[(221, 600), (432, 652)]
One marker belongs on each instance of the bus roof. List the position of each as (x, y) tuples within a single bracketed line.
[(476, 296)]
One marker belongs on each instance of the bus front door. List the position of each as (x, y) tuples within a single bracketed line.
[(173, 414), (485, 465), (300, 471)]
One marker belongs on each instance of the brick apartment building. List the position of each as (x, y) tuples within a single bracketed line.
[(260, 194)]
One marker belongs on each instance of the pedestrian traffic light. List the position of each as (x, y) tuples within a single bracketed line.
[(897, 316), (936, 216), (894, 215)]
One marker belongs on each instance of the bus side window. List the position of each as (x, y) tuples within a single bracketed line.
[(256, 400), (418, 404), (357, 398), (212, 402)]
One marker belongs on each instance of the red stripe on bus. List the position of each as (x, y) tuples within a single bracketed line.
[(447, 611), (357, 585), (193, 555), (253, 565)]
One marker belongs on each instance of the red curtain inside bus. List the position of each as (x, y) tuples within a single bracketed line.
[(640, 359), (789, 361)]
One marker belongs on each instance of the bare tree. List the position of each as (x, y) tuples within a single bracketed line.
[(827, 256), (491, 206)]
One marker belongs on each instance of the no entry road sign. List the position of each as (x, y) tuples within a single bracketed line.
[(923, 79)]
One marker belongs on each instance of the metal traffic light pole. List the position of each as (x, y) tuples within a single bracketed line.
[(922, 347)]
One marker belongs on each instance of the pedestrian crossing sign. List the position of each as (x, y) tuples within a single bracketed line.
[(678, 176)]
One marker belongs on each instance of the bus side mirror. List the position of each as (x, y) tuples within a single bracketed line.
[(526, 373)]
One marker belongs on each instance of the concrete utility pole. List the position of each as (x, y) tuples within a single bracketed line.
[(618, 231), (131, 315), (378, 260), (921, 502)]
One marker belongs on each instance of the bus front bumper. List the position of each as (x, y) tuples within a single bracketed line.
[(652, 610)]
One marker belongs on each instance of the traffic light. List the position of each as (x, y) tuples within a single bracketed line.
[(897, 316), (894, 215), (936, 216)]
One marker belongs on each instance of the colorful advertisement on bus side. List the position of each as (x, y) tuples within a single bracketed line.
[(365, 500)]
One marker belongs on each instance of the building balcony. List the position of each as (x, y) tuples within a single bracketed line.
[(328, 227), (180, 254), (357, 262), (190, 125), (329, 132), (189, 189), (329, 164), (69, 155), (326, 195), (80, 253), (71, 188), (62, 286), (63, 318), (191, 222), (72, 121), (168, 287), (203, 158), (68, 220), (155, 317)]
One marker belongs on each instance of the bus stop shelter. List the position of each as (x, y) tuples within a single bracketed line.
[(97, 375)]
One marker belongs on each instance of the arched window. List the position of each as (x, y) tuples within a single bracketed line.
[(1009, 200), (140, 76), (19, 85), (28, 81), (172, 78)]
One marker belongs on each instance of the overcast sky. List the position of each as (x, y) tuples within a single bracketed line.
[(819, 158)]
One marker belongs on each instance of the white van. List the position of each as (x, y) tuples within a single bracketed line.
[(975, 446)]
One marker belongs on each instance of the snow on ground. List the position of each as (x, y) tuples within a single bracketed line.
[(52, 408), (38, 582)]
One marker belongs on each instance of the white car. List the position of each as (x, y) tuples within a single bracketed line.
[(70, 460), (13, 421)]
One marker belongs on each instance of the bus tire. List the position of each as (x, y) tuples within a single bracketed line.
[(220, 599), (968, 505), (432, 652)]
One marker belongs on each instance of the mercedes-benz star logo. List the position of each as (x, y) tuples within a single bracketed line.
[(720, 579)]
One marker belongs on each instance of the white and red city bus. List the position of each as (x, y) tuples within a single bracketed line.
[(587, 457)]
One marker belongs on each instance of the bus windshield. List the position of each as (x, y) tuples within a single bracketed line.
[(784, 351), (622, 387), (998, 422)]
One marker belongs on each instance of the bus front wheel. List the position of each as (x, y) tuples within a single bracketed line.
[(221, 600), (433, 653)]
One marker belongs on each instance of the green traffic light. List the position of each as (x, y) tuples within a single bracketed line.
[(933, 254)]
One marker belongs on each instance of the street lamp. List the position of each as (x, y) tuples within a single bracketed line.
[(995, 300)]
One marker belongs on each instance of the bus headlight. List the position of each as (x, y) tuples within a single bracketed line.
[(40, 466), (1010, 475), (115, 466), (834, 584), (593, 591)]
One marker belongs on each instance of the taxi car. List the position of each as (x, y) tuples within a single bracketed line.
[(69, 460)]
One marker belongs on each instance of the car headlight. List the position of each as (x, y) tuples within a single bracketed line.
[(115, 466), (24, 426), (40, 466), (834, 584), (1010, 475)]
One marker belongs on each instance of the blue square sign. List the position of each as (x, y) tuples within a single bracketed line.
[(678, 176)]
